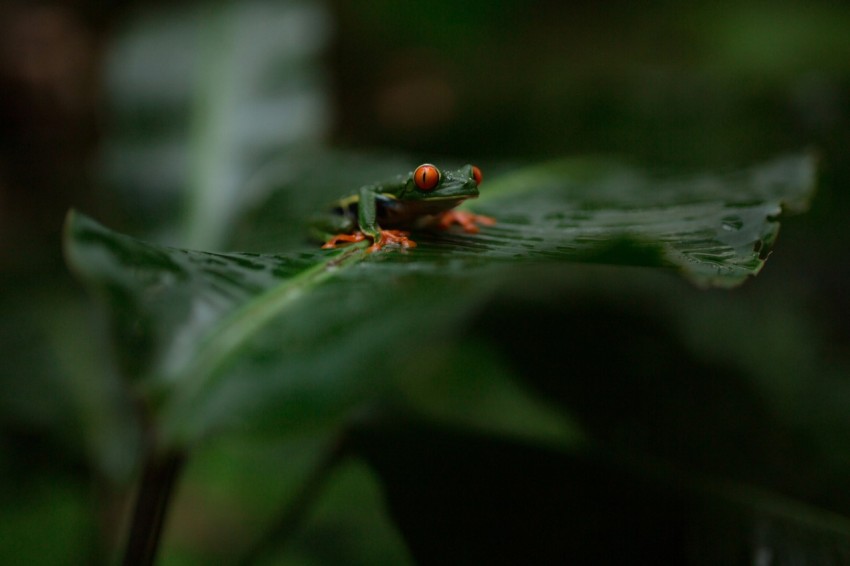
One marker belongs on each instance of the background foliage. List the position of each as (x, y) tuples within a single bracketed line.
[(590, 409)]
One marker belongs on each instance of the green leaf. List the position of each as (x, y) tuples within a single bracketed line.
[(204, 334), (716, 229), (201, 335)]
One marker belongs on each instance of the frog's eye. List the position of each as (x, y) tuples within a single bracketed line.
[(426, 177), (476, 174)]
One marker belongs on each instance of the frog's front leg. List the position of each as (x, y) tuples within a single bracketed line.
[(367, 212)]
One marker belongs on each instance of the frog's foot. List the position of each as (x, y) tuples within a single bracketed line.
[(344, 238), (392, 237), (466, 220)]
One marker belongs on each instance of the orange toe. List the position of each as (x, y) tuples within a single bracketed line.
[(344, 238), (398, 237), (468, 221)]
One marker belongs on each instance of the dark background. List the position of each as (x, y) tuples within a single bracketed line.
[(674, 87)]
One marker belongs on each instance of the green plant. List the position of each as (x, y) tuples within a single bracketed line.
[(206, 339), (595, 376)]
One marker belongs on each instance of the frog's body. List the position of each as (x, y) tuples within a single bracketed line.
[(390, 212), (423, 197)]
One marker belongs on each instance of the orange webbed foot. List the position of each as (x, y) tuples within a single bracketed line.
[(343, 238), (468, 221), (398, 237)]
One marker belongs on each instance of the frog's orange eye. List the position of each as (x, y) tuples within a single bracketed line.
[(426, 177), (476, 174)]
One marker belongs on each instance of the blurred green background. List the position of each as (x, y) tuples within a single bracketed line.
[(103, 106)]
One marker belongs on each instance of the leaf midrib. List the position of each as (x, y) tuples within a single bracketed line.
[(222, 344)]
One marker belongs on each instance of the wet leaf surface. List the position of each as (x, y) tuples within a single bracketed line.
[(200, 333)]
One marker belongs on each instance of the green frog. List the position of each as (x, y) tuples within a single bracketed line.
[(384, 213)]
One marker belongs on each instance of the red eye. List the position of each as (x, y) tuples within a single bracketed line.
[(426, 177), (476, 174)]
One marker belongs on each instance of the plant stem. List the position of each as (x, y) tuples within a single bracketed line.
[(157, 484)]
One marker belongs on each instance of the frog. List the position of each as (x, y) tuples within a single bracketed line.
[(385, 213)]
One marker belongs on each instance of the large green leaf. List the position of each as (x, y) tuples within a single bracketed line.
[(716, 229), (203, 335), (200, 334)]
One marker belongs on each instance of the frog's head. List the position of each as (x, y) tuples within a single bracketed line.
[(429, 183)]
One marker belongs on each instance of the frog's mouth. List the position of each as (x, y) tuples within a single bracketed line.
[(458, 193)]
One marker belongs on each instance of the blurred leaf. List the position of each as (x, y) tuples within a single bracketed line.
[(774, 41), (469, 498), (35, 397), (201, 96), (56, 382), (471, 385), (625, 374), (35, 503), (710, 383), (349, 524)]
